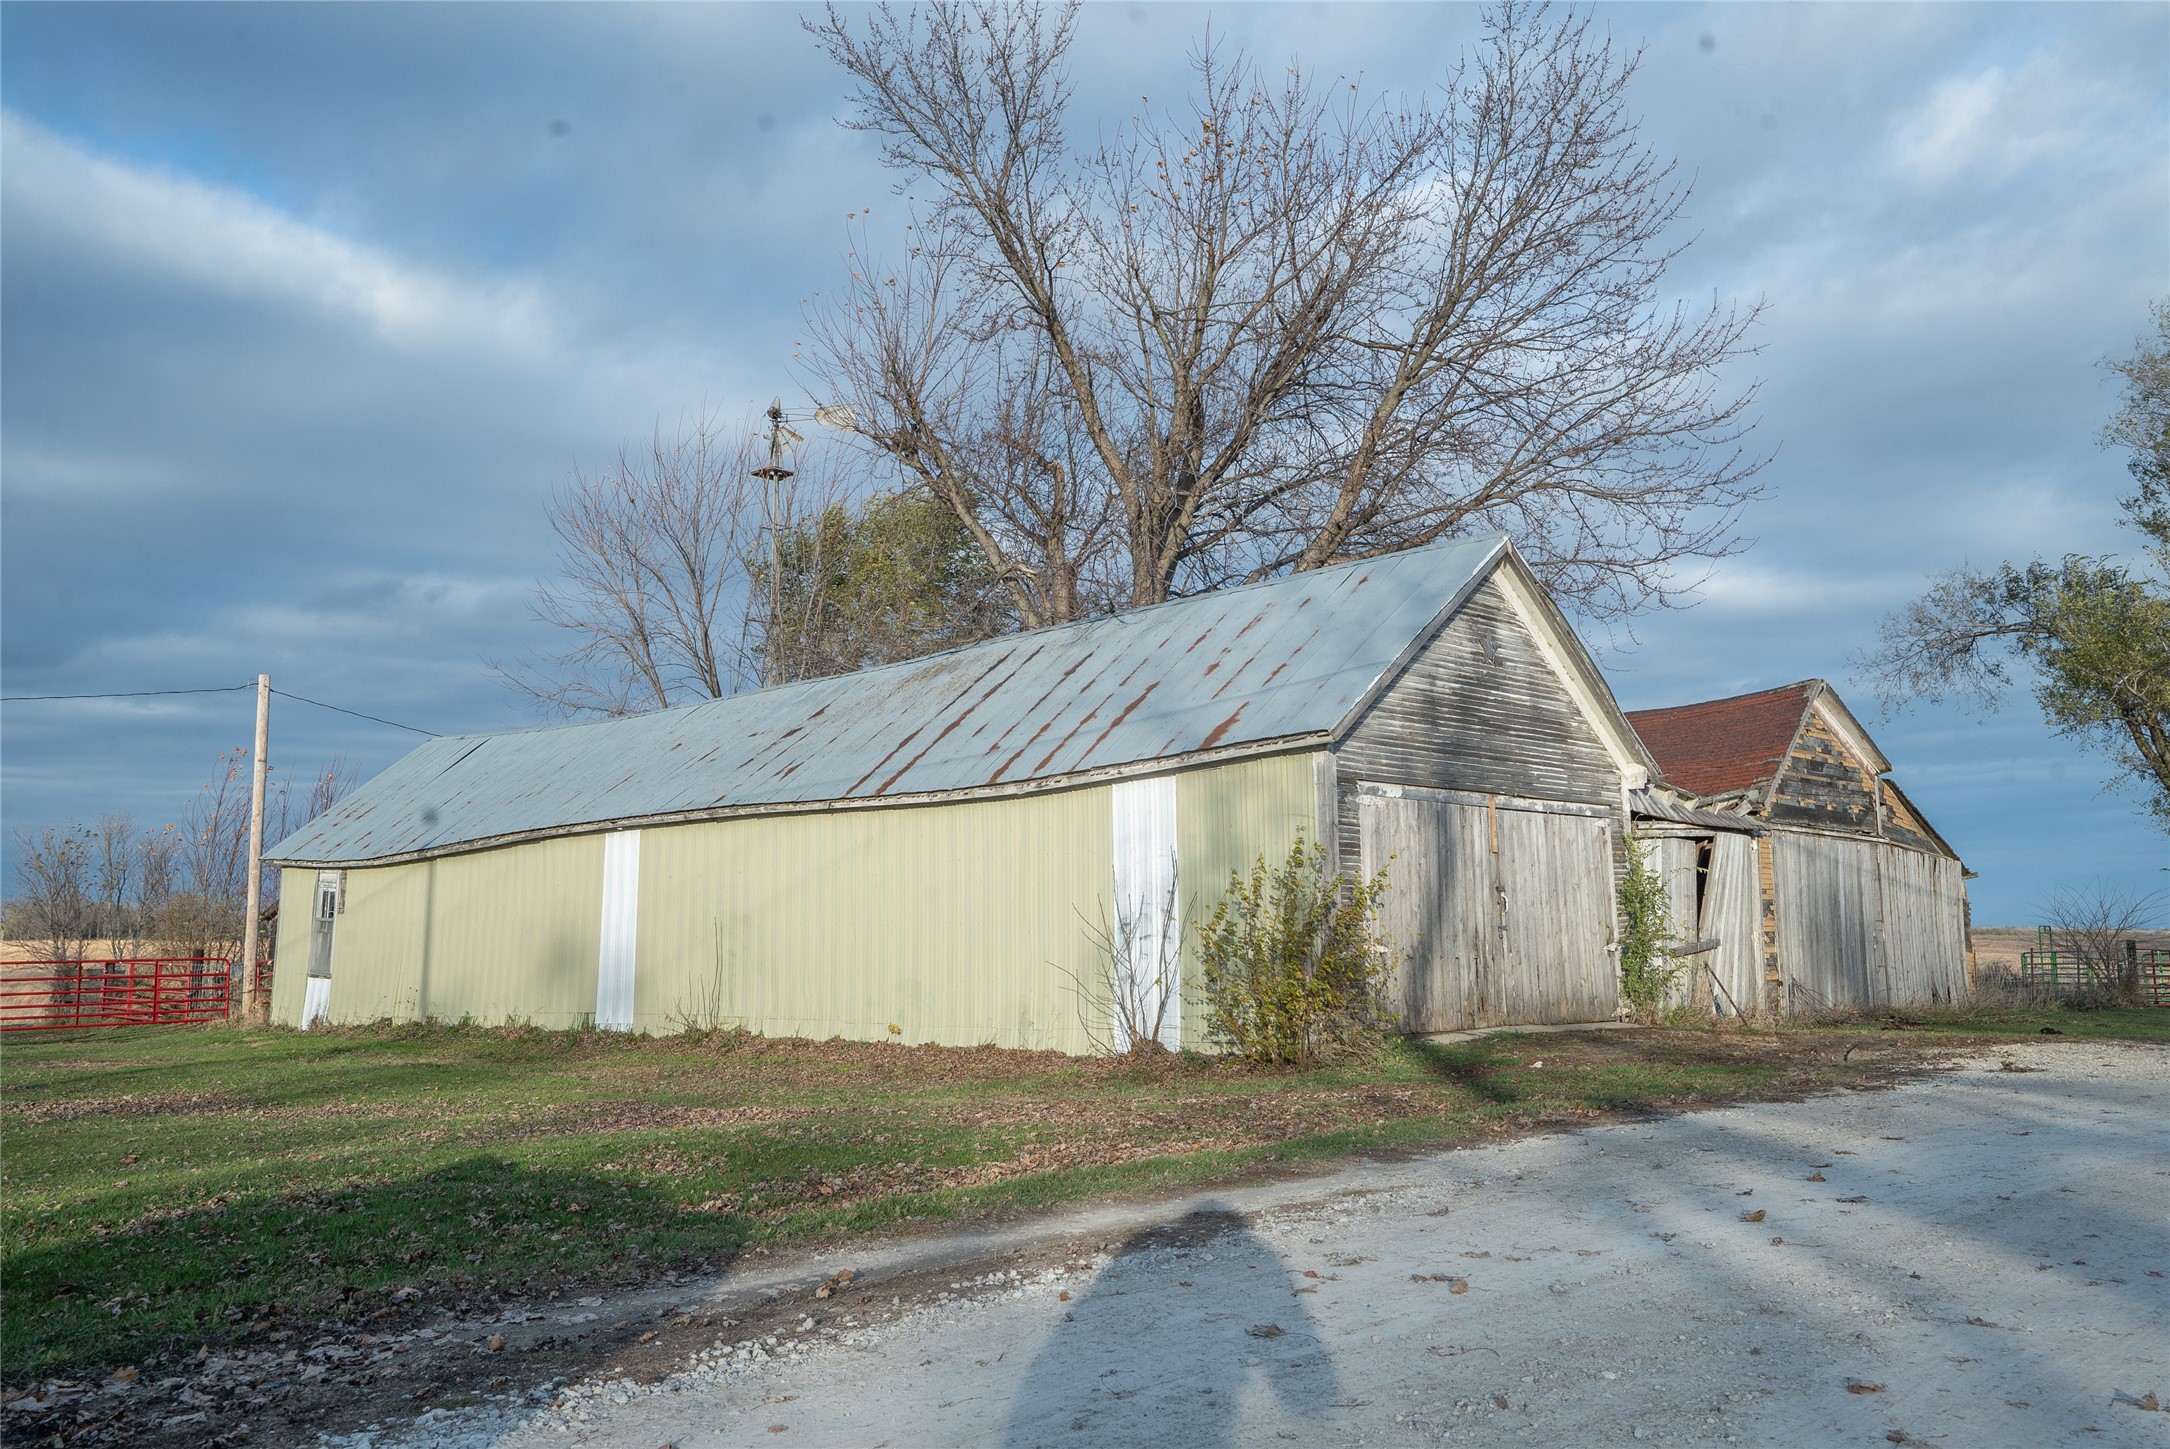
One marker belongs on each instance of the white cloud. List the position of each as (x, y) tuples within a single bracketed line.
[(222, 239), (1985, 128)]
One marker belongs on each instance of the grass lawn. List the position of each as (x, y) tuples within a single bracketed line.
[(166, 1188), (2109, 1023)]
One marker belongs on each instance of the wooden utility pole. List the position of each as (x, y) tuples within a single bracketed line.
[(253, 1006)]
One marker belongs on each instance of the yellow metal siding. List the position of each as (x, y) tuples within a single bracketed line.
[(512, 933), (290, 955), (1225, 818), (970, 922), (499, 935), (377, 946), (961, 923)]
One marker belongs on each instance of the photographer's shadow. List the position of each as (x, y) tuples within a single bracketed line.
[(1141, 1359)]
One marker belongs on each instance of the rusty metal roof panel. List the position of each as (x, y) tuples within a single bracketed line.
[(1282, 659)]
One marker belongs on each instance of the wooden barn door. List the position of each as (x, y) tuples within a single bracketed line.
[(1500, 910)]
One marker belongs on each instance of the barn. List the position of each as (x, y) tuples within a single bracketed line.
[(941, 850), (1804, 875)]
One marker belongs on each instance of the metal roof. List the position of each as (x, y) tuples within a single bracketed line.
[(1279, 660)]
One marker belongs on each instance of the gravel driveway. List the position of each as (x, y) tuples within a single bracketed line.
[(1976, 1259)]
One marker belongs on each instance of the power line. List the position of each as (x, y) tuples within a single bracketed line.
[(373, 719), (221, 689), (124, 693)]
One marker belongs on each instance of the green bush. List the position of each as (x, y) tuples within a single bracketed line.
[(1647, 969), (1292, 961)]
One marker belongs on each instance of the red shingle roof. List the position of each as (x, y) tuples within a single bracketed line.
[(1723, 745)]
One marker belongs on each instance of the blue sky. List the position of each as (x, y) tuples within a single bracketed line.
[(305, 309)]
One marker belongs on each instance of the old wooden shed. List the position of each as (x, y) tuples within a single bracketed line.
[(1803, 872), (938, 850)]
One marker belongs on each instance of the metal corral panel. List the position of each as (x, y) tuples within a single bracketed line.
[(1281, 660), (1863, 923), (496, 935)]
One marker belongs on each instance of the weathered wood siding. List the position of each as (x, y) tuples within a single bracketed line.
[(1863, 923), (1713, 894), (1731, 905), (1480, 709), (1903, 825), (1677, 860), (1823, 784), (1925, 932), (1498, 910)]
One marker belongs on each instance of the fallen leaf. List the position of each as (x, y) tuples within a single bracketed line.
[(1499, 1401), (1816, 1177), (648, 1337), (1754, 1217), (497, 1342), (1856, 1386), (1264, 1330), (127, 1375), (1459, 1285), (778, 1428), (2149, 1402), (1063, 1296)]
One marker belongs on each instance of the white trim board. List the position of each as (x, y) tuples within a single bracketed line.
[(1146, 936), (621, 919)]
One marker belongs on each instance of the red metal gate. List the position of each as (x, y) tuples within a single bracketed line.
[(147, 991)]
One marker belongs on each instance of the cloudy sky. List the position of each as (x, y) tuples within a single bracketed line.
[(306, 308)]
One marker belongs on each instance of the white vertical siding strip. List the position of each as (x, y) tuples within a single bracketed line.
[(1147, 913), (316, 1001), (614, 959)]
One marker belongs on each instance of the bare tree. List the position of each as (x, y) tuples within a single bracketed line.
[(1282, 325), (56, 870), (659, 560), (115, 879), (2093, 922), (652, 555)]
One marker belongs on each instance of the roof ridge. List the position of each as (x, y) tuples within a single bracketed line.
[(1803, 685), (1118, 618)]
